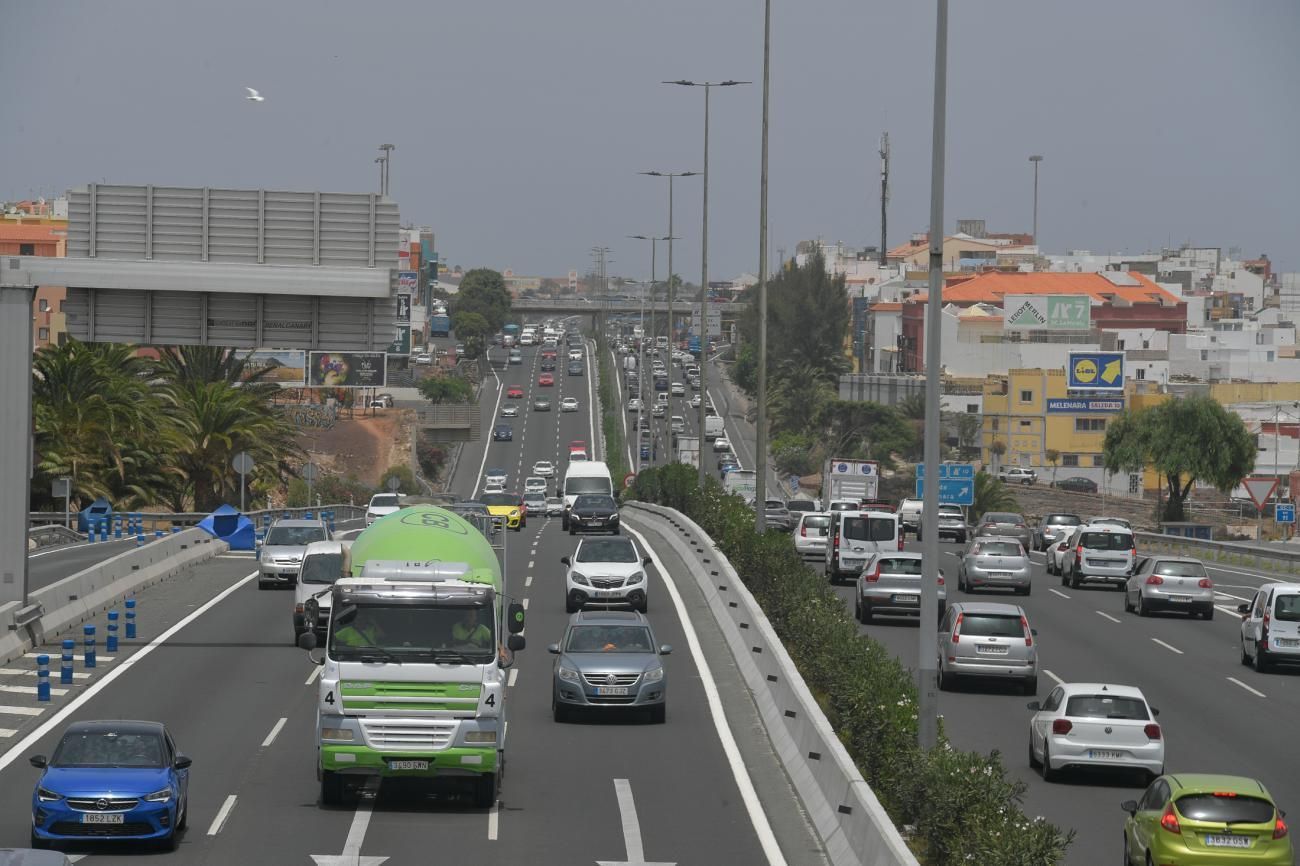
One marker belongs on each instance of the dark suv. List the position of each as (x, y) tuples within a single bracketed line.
[(593, 512), (502, 433)]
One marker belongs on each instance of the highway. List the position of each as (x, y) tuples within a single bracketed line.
[(51, 564), (240, 701)]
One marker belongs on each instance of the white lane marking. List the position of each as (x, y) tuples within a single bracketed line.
[(1234, 597), (530, 562), (94, 688), (275, 732), (1170, 647), (311, 677), (22, 711), (631, 827), (1057, 592), (1231, 611), (1108, 616), (1238, 682), (525, 603), (54, 673), (757, 817), (351, 855), (56, 656), (496, 411), (494, 821), (27, 690), (7, 732), (528, 580), (222, 814), (1059, 681), (513, 675)]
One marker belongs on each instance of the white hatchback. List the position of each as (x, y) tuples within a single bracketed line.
[(1095, 725), (544, 468), (569, 404), (534, 484)]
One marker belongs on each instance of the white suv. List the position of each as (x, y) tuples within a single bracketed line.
[(606, 571), (382, 504), (1098, 553)]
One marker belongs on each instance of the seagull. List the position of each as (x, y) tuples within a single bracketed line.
[(253, 95)]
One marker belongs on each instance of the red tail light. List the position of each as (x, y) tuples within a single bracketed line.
[(1133, 552), (803, 532), (1029, 636), (1205, 583), (1021, 526), (873, 575), (1152, 731), (1062, 726), (1169, 820), (956, 629), (941, 580), (1279, 828), (298, 608), (1263, 633), (900, 541), (1155, 580)]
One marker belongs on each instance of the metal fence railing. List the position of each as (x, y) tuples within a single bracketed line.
[(1281, 559), (149, 523)]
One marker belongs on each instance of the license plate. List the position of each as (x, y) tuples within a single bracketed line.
[(1104, 754), (98, 818), (609, 593), (1180, 598), (991, 649), (1286, 641), (1227, 841), (611, 691), (408, 765), (904, 599), (998, 573)]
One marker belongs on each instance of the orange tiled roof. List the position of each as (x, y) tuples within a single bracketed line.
[(16, 231), (992, 286)]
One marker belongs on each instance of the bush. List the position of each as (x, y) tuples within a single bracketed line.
[(610, 412), (404, 475), (962, 804), (795, 454)]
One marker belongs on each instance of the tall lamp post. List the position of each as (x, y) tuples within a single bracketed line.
[(672, 291), (380, 160), (760, 437), (704, 260), (1036, 159), (640, 364)]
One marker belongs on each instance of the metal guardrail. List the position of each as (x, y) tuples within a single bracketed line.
[(1285, 560), (51, 536), (164, 521)]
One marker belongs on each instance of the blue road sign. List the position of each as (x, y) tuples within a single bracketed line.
[(952, 491), (963, 471), (1285, 513)]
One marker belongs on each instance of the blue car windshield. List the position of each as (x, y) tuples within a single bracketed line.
[(108, 749)]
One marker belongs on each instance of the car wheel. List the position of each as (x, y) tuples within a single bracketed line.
[(1049, 775), (1142, 609), (331, 788), (644, 606), (946, 681), (1128, 605), (1033, 760), (1030, 686), (857, 607), (261, 584), (572, 531), (1208, 613), (961, 581), (1025, 591), (1075, 578), (39, 843), (559, 712), (184, 821), (658, 714), (867, 615), (1065, 579), (1262, 664), (570, 607), (1245, 659), (1128, 858), (297, 634)]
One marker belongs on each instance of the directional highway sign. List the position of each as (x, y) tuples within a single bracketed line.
[(1284, 513), (962, 471), (952, 491)]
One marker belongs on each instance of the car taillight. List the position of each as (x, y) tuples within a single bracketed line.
[(956, 629), (1279, 828), (1205, 583), (873, 575), (1155, 580), (1133, 552), (837, 541), (900, 541), (298, 608), (1169, 820), (1152, 731), (1078, 551), (1263, 633), (1029, 635), (803, 532), (941, 580), (1021, 526), (1062, 726)]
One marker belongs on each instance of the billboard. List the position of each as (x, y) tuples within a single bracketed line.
[(287, 367), (1113, 404), (404, 309), (1046, 312), (1095, 371), (401, 344), (408, 281), (346, 369)]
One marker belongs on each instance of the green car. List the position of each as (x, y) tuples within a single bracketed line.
[(1196, 819)]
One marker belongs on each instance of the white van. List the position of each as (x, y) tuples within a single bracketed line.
[(855, 536), (1270, 626), (323, 562), (590, 476), (713, 427)]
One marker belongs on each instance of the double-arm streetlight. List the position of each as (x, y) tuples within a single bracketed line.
[(704, 332), (640, 364), (1036, 159), (671, 288), (383, 168)]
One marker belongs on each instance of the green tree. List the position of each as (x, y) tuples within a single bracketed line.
[(968, 429), (864, 429), (797, 394), (446, 389), (405, 477), (991, 495), (483, 291), (1186, 440), (913, 406), (473, 331), (997, 449), (1053, 458)]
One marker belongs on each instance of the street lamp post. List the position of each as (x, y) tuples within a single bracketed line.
[(672, 291), (640, 364), (704, 261), (388, 155), (1036, 159), (380, 161), (760, 437)]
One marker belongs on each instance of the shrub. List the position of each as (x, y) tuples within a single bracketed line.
[(795, 453), (962, 804)]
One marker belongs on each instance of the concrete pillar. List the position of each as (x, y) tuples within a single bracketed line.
[(15, 435)]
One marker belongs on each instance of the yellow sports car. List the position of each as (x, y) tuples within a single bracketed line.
[(507, 508)]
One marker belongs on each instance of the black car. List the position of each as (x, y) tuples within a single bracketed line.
[(575, 368), (1077, 484), (547, 365), (593, 512), (502, 433)]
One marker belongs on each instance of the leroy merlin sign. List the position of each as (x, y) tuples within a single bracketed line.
[(1046, 312)]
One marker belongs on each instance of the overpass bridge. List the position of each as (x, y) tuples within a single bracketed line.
[(583, 306)]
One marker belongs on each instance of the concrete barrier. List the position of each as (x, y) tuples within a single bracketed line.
[(852, 825), (81, 596)]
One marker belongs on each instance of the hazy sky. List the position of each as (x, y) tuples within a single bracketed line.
[(520, 125)]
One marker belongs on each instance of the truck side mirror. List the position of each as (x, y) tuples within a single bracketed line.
[(515, 618), (516, 642), (307, 641)]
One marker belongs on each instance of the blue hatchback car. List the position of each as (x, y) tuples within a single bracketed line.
[(111, 780)]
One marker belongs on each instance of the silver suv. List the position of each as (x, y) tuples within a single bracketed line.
[(280, 556), (609, 660), (1098, 552), (987, 640), (891, 584)]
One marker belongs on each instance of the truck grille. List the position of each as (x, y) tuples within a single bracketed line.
[(610, 679), (408, 734)]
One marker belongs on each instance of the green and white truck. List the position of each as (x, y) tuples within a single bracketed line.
[(412, 685)]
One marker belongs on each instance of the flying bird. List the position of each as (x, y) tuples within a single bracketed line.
[(253, 95)]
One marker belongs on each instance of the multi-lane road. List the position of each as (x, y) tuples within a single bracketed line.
[(241, 702)]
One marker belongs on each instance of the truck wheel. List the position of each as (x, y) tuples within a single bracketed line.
[(331, 788), (485, 791), (658, 714)]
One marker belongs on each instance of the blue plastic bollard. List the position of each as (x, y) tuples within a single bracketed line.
[(117, 526), (307, 516), (130, 619), (89, 645), (42, 678), (139, 539), (110, 643), (158, 533), (175, 529), (65, 668)]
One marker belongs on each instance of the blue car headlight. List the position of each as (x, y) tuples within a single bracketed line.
[(162, 796), (45, 795)]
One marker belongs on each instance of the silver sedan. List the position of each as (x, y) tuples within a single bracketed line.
[(1170, 583), (994, 561), (1005, 524)]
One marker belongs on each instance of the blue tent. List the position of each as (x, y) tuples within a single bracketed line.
[(95, 512), (228, 525)]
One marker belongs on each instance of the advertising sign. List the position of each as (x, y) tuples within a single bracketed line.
[(1095, 371), (408, 281), (287, 367), (401, 344), (1046, 312), (404, 309), (1092, 405), (346, 369), (714, 322)]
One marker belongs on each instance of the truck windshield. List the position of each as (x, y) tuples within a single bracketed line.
[(413, 633), (589, 484)]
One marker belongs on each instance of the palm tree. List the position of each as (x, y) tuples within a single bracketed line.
[(991, 495), (1053, 457), (913, 406), (798, 393), (998, 448)]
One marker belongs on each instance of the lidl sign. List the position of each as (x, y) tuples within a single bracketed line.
[(1046, 312), (1095, 371)]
